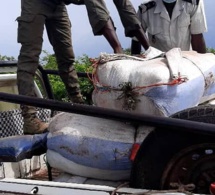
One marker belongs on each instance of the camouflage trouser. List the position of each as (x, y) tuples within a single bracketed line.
[(99, 15), (34, 16)]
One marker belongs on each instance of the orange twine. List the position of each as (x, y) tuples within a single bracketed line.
[(97, 84)]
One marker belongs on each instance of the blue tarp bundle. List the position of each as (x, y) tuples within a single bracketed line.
[(17, 148)]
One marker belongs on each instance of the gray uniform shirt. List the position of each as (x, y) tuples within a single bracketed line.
[(165, 33)]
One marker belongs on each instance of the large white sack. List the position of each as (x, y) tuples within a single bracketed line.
[(163, 100), (91, 147)]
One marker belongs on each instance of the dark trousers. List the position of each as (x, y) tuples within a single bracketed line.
[(34, 17), (99, 15)]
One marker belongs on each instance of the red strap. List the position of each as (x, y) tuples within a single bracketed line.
[(134, 151), (212, 188)]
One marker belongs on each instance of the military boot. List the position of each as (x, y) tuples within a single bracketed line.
[(32, 124), (78, 99), (141, 36)]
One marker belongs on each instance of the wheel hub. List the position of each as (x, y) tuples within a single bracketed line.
[(193, 166)]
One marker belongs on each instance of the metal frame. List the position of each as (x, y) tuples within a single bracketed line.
[(56, 188), (163, 122)]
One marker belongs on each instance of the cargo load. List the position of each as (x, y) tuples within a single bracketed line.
[(161, 86), (92, 147)]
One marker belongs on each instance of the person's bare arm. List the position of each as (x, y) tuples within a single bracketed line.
[(198, 43)]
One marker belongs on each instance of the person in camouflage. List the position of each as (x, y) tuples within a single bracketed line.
[(102, 23), (35, 15)]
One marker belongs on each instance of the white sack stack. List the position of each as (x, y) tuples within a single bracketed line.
[(91, 147), (152, 79)]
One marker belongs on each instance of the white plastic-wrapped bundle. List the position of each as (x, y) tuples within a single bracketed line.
[(91, 147), (160, 86)]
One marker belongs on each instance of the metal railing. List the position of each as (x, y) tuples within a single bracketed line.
[(164, 123)]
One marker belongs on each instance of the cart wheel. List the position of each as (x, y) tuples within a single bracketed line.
[(164, 155)]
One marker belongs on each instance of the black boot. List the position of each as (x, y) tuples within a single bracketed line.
[(140, 35)]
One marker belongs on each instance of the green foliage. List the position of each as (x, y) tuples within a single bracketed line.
[(127, 51), (82, 64), (211, 50), (7, 58), (48, 61)]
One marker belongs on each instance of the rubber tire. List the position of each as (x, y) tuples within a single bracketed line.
[(161, 145)]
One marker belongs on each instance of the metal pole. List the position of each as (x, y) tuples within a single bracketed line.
[(164, 123)]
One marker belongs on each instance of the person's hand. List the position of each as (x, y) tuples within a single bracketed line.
[(152, 52)]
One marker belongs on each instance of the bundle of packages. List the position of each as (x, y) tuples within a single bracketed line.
[(161, 86), (92, 147)]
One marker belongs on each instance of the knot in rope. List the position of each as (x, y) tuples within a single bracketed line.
[(129, 96)]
